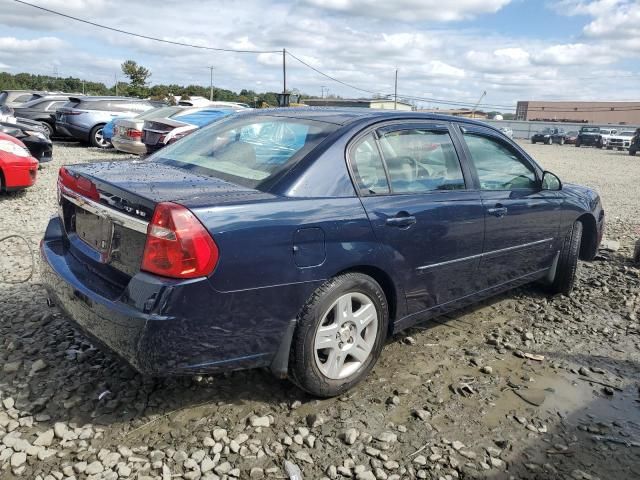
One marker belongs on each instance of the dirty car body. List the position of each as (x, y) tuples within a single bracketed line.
[(294, 203)]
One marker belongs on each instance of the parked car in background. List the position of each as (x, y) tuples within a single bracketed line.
[(606, 134), (127, 134), (508, 131), (85, 117), (621, 140), (549, 136), (301, 239), (590, 137), (42, 109), (634, 146), (571, 137), (18, 169), (158, 132), (33, 135), (16, 98)]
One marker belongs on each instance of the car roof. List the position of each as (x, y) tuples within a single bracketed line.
[(345, 116), (91, 98)]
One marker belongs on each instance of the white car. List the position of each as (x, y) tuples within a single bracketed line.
[(621, 141), (507, 131), (606, 134)]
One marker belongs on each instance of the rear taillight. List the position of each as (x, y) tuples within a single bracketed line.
[(78, 184), (178, 245), (133, 133)]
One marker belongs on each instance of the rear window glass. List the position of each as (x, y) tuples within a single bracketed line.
[(247, 150), (3, 97)]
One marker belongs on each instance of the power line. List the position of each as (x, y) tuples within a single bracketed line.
[(155, 39), (329, 76)]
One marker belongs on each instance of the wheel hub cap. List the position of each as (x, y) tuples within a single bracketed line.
[(346, 335)]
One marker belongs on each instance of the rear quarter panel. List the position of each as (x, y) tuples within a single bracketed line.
[(257, 246)]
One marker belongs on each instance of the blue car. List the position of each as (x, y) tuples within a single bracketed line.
[(301, 239), (158, 132)]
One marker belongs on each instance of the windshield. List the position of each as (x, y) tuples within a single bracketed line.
[(627, 134), (547, 130), (590, 129), (248, 150)]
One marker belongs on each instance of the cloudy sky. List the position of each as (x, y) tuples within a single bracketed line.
[(454, 50)]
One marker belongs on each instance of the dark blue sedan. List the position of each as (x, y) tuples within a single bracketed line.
[(301, 239)]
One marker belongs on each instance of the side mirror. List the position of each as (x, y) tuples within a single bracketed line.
[(550, 181)]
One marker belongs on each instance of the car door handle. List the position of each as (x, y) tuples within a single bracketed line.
[(498, 211), (401, 220)]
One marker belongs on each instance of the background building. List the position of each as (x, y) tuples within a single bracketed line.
[(380, 103), (581, 112)]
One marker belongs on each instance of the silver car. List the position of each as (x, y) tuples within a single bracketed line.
[(84, 117), (127, 132)]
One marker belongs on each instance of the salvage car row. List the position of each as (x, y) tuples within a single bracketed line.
[(591, 136), (137, 126)]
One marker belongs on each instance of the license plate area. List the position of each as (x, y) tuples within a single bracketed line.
[(94, 231), (151, 138)]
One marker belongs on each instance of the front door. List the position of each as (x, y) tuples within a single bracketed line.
[(414, 191), (522, 220)]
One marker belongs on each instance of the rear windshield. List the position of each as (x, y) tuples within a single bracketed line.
[(3, 97), (161, 112), (249, 150)]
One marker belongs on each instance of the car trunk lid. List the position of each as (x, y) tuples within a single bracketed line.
[(106, 208)]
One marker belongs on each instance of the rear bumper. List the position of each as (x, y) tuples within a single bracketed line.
[(168, 327), (129, 146)]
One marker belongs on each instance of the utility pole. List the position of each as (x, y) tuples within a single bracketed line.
[(322, 91), (284, 70), (395, 93), (115, 77), (211, 93), (473, 112), (82, 87)]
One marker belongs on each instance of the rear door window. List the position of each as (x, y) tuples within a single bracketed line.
[(367, 166), (421, 160)]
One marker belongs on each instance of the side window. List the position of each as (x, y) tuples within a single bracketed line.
[(367, 166), (23, 98), (421, 161), (499, 167), (55, 105)]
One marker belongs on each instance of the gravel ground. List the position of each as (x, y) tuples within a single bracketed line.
[(521, 386)]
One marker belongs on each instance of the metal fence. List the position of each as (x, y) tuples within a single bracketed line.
[(524, 129)]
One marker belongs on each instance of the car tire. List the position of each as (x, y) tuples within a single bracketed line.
[(349, 355), (96, 139), (632, 152), (561, 141), (533, 141), (550, 141), (577, 144), (48, 128), (565, 275)]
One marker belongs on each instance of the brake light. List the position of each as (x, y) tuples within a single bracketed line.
[(178, 245), (133, 133), (78, 184)]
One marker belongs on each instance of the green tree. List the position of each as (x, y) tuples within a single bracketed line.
[(138, 76)]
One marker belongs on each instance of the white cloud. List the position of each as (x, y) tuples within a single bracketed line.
[(413, 10), (45, 44), (576, 54)]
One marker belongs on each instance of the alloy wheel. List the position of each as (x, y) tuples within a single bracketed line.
[(100, 140), (346, 335)]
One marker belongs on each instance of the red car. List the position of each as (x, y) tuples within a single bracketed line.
[(18, 168)]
